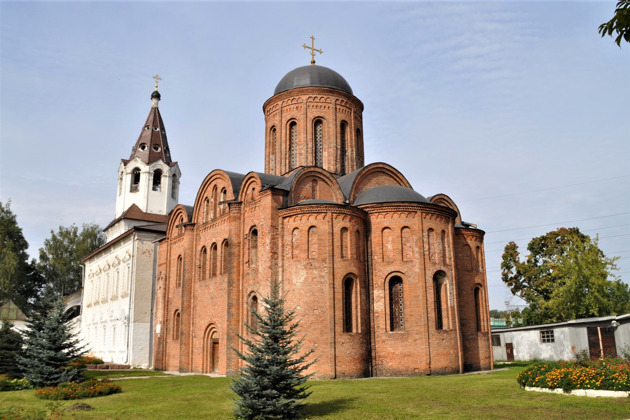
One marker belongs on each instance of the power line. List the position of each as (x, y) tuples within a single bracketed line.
[(558, 223), (543, 189), (581, 230)]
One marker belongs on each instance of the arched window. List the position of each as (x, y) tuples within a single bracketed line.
[(180, 226), (386, 244), (468, 263), (478, 304), (357, 246), (396, 305), (342, 147), (157, 180), (135, 180), (312, 242), (350, 312), (293, 144), (206, 209), (180, 271), (295, 243), (213, 260), (214, 201), (318, 147), (479, 259), (222, 201), (203, 261), (440, 293), (224, 256), (359, 147), (253, 309), (253, 247), (176, 325), (406, 239), (431, 244), (272, 147), (314, 189), (344, 242), (444, 249), (174, 186), (120, 182)]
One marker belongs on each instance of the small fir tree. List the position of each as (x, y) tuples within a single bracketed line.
[(49, 347), (271, 384), (10, 349)]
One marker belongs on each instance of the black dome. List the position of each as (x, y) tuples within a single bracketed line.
[(156, 94), (312, 76)]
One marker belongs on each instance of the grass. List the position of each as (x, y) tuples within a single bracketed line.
[(495, 395), (113, 374)]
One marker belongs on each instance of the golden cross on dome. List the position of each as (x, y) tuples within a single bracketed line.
[(157, 79), (313, 49)]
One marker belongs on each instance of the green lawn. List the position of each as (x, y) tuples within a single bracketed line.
[(495, 395)]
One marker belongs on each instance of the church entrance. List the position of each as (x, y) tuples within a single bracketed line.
[(210, 351)]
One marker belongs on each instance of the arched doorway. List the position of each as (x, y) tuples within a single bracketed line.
[(211, 350)]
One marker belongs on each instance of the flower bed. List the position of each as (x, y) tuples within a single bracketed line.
[(612, 374), (75, 391)]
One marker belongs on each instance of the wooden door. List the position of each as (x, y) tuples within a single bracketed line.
[(593, 343), (608, 341), (215, 356), (509, 351)]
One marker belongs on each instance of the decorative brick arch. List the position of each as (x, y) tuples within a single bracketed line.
[(211, 347), (446, 201), (376, 174), (302, 188), (218, 181)]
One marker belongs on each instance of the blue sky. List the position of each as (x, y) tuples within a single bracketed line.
[(516, 110)]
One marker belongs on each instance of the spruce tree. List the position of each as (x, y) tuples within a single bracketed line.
[(10, 349), (271, 384), (49, 347)]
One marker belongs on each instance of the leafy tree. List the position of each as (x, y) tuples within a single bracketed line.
[(495, 313), (60, 258), (19, 280), (49, 347), (565, 276), (10, 349), (271, 384), (620, 23)]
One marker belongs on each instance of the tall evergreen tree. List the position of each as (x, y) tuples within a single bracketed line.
[(49, 347), (271, 384), (10, 349)]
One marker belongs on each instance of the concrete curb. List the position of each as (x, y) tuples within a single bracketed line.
[(593, 393)]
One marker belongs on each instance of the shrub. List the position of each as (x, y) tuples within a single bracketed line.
[(8, 384), (74, 391), (605, 374), (81, 361)]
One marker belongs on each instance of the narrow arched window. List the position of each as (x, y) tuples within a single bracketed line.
[(406, 242), (135, 180), (180, 271), (253, 310), (314, 189), (444, 249), (174, 186), (439, 293), (180, 226), (318, 146), (214, 202), (312, 242), (342, 147), (293, 144), (295, 243), (387, 244), (478, 303), (468, 262), (349, 305), (359, 147), (272, 146), (120, 182), (176, 325), (431, 244), (206, 209), (157, 180), (253, 247), (344, 242), (203, 261), (396, 305), (357, 246), (479, 259), (222, 201), (224, 257), (213, 260)]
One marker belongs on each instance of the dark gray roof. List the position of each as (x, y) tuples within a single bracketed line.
[(316, 201), (389, 194), (307, 76)]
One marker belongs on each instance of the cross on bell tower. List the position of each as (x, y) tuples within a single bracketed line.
[(313, 50)]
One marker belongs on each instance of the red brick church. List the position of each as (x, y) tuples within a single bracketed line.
[(386, 282)]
